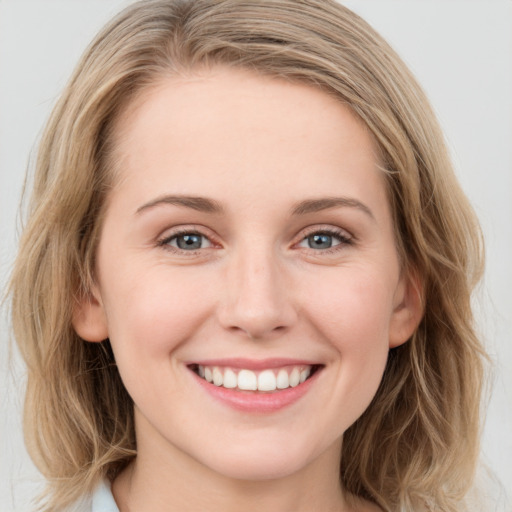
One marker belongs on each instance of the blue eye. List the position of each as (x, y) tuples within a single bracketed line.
[(322, 240), (187, 241)]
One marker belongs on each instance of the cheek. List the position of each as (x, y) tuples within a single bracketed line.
[(353, 311), (353, 308), (151, 314)]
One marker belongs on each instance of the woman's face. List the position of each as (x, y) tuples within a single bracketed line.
[(249, 240)]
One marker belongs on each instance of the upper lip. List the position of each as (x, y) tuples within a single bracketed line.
[(254, 364)]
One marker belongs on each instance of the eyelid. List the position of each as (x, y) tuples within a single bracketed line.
[(326, 229)]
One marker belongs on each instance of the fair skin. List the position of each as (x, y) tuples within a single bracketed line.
[(287, 263)]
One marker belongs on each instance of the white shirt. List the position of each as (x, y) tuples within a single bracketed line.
[(100, 501)]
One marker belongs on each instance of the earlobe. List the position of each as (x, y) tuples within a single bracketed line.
[(89, 320), (408, 310)]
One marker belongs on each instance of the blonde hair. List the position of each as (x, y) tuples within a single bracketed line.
[(415, 447)]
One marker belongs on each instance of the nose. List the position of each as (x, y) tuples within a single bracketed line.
[(256, 298)]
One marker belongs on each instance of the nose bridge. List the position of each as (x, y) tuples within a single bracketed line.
[(256, 299)]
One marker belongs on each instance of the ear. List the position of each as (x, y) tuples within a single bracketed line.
[(89, 320), (408, 309)]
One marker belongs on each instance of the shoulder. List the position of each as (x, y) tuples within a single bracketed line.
[(101, 500)]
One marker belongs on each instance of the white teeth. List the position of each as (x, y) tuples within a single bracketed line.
[(266, 381), (218, 378), (247, 380), (230, 379), (282, 379), (294, 378)]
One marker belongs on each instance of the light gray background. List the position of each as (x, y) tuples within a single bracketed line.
[(461, 51)]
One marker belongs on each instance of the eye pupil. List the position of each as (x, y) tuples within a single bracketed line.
[(320, 241), (189, 241)]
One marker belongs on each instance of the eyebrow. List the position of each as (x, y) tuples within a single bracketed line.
[(325, 203), (204, 204), (201, 204)]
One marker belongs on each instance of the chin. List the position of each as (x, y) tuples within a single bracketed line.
[(257, 470), (263, 462)]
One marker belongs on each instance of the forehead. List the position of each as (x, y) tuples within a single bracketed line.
[(190, 133)]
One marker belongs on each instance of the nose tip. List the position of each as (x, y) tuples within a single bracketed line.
[(257, 323), (257, 302)]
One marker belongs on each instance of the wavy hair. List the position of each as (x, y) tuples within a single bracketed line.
[(416, 446)]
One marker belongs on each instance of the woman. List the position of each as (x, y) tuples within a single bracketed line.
[(241, 260)]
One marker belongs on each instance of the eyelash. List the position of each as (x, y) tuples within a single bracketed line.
[(165, 242), (339, 234), (342, 236)]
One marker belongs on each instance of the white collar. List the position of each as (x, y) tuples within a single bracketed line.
[(102, 498)]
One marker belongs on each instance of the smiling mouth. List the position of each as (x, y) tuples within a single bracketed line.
[(265, 381)]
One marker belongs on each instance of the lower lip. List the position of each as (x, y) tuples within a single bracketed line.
[(258, 402)]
